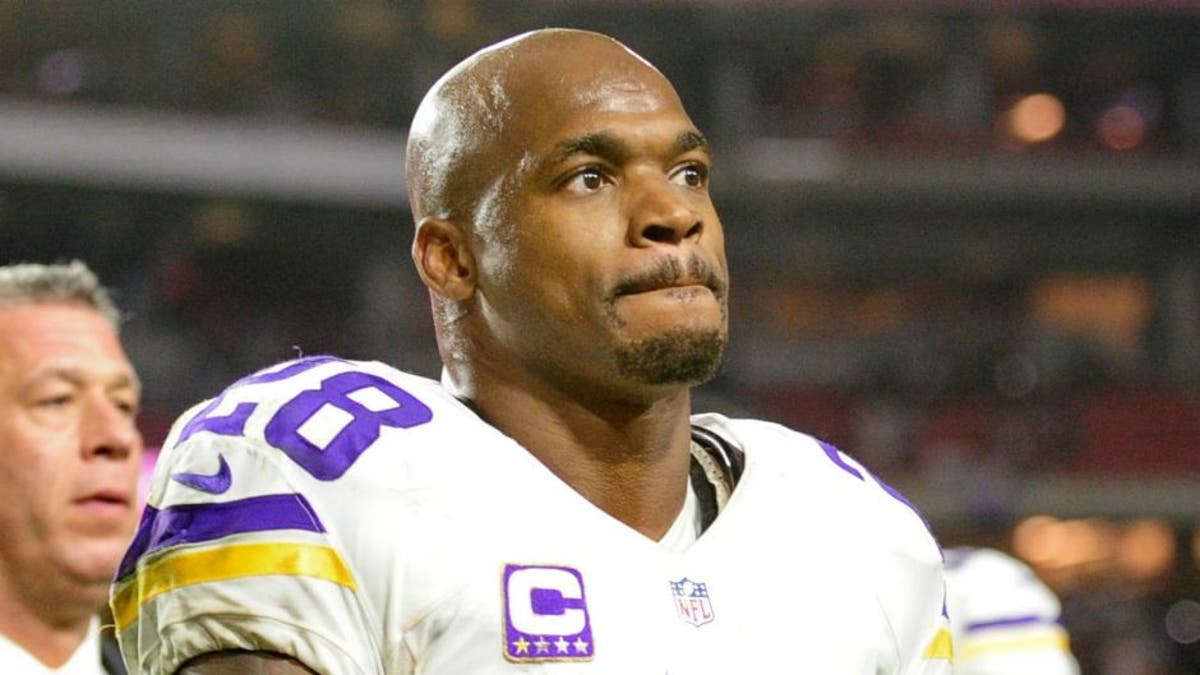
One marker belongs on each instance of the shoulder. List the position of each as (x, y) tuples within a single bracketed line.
[(1002, 613), (254, 535), (965, 561), (810, 462), (355, 384), (316, 427), (982, 581), (770, 444), (830, 478), (867, 528), (322, 413)]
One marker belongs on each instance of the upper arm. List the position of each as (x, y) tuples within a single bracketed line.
[(243, 663), (248, 541), (908, 568)]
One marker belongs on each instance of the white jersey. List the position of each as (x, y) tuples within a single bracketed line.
[(364, 521), (1005, 620)]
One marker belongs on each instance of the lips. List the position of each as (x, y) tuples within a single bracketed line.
[(634, 289), (107, 497), (671, 273)]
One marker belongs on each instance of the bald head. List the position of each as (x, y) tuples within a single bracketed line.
[(557, 183), (475, 123)]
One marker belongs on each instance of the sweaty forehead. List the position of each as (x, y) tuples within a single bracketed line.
[(589, 75), (572, 87), (495, 106), (547, 71)]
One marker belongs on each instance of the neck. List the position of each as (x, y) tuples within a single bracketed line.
[(47, 621), (53, 644), (630, 460)]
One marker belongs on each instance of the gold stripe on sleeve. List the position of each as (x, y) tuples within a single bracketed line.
[(941, 646), (227, 562), (1056, 639)]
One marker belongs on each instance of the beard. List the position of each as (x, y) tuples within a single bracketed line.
[(676, 357)]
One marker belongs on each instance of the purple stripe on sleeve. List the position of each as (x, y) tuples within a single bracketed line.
[(899, 496), (1010, 622), (141, 540), (836, 458), (192, 523)]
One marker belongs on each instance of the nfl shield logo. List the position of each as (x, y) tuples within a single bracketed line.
[(692, 601)]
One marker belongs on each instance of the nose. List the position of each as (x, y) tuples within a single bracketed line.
[(661, 213), (108, 431)]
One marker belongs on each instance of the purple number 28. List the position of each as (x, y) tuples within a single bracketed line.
[(356, 406)]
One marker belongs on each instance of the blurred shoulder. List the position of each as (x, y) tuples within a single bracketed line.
[(984, 581)]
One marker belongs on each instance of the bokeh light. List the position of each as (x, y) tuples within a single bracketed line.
[(1121, 127), (1146, 549), (1069, 550), (1037, 539), (1036, 118), (1182, 622)]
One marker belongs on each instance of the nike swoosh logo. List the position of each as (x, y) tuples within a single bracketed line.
[(211, 483)]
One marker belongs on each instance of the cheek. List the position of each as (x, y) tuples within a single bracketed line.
[(538, 266), (558, 258), (567, 285), (35, 457), (31, 489)]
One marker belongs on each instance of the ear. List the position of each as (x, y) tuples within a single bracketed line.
[(442, 258)]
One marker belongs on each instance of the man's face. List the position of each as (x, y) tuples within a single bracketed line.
[(600, 251), (69, 449)]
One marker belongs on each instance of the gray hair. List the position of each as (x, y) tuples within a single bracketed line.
[(73, 282)]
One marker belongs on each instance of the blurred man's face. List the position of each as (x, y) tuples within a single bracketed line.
[(69, 448)]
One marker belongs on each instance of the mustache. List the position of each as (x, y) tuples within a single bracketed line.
[(671, 271)]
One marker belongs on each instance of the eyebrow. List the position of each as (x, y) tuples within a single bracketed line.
[(600, 144), (76, 378), (691, 140), (608, 146)]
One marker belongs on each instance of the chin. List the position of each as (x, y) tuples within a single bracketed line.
[(93, 561), (678, 357)]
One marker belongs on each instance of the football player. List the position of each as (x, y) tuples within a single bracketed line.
[(549, 506), (1005, 621)]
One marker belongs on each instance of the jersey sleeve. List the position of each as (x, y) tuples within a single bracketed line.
[(1005, 619), (908, 575), (246, 543)]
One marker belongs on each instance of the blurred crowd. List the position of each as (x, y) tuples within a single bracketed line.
[(1124, 76)]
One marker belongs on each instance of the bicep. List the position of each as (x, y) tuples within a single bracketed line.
[(243, 663)]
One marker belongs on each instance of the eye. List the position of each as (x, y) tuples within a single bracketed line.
[(55, 401), (129, 408), (52, 408), (692, 175), (587, 180)]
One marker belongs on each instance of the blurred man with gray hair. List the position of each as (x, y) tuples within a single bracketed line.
[(69, 462)]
